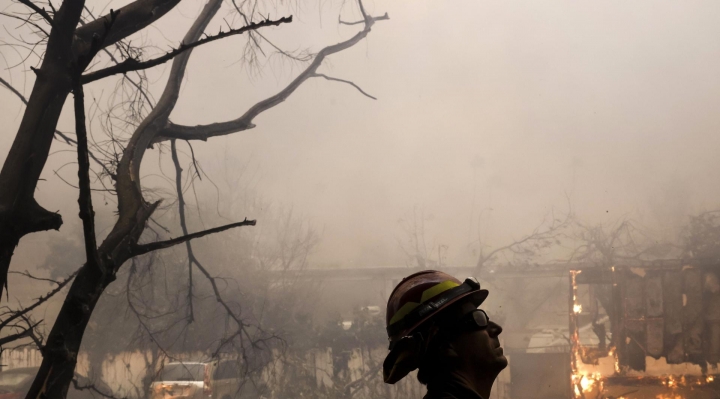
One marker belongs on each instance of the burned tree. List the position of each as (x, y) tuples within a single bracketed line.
[(69, 51)]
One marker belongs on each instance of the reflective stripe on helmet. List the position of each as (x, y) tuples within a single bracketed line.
[(426, 295)]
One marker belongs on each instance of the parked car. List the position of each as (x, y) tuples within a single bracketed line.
[(15, 384), (219, 379)]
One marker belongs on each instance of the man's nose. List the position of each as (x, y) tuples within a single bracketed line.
[(494, 329)]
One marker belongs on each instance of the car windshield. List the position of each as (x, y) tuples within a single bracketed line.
[(11, 379), (183, 372)]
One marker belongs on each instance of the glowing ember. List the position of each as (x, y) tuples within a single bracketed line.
[(577, 308), (670, 382)]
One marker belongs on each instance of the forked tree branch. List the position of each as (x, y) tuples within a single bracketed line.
[(244, 122), (26, 332), (131, 64), (130, 198), (134, 211)]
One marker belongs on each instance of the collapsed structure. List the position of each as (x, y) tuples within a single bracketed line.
[(667, 311)]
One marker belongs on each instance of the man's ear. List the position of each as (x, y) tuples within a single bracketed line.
[(448, 349), (432, 341)]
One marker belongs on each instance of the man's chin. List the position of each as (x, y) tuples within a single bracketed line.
[(500, 360)]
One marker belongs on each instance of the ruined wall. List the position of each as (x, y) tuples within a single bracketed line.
[(670, 313)]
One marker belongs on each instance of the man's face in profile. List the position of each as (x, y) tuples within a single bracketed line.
[(480, 348)]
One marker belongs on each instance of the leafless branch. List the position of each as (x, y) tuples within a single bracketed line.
[(344, 81), (183, 224), (543, 232), (133, 17), (27, 332), (28, 275), (67, 139), (341, 22), (12, 89), (87, 214), (244, 122), (38, 10), (132, 64), (28, 20), (38, 302), (154, 246), (134, 310), (366, 17), (193, 260), (360, 382), (79, 45)]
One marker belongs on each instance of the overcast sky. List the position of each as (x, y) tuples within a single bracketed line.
[(498, 110)]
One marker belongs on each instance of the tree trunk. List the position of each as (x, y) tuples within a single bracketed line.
[(19, 213), (60, 352), (66, 45)]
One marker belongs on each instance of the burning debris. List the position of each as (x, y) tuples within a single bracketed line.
[(654, 312)]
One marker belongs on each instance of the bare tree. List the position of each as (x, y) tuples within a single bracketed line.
[(701, 236), (69, 51), (545, 235), (66, 47), (414, 243), (626, 240)]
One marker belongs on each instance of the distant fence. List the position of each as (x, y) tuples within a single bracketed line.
[(125, 372), (16, 358)]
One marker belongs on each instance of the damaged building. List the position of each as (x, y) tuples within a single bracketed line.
[(662, 335)]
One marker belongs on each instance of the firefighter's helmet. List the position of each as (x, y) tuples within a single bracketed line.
[(417, 299)]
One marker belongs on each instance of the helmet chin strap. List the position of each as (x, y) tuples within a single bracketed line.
[(411, 350)]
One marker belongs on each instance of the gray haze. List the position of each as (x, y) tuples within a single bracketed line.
[(489, 111)]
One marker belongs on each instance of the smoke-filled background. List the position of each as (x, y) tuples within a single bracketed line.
[(498, 111), (492, 120)]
